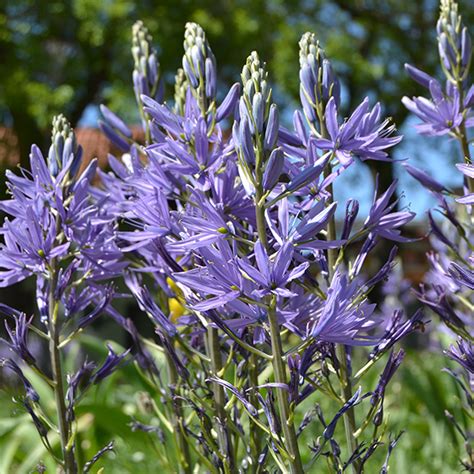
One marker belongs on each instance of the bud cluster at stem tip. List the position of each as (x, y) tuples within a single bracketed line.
[(255, 104), (256, 133), (199, 63), (454, 42), (180, 87), (146, 72), (318, 82), (63, 147)]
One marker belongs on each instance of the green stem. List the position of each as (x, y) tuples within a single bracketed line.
[(178, 429), (223, 435), (255, 434), (286, 417), (346, 393), (467, 154), (462, 135), (345, 379), (69, 461), (260, 216)]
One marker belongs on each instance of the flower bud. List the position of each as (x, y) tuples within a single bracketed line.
[(211, 79), (466, 48), (228, 104), (115, 122), (378, 417), (419, 76), (271, 131), (273, 169), (258, 109), (352, 209), (190, 74), (245, 140)]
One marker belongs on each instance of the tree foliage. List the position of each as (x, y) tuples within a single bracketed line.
[(66, 55)]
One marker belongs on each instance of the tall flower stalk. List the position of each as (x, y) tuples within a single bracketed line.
[(448, 287), (319, 86), (258, 115), (58, 235)]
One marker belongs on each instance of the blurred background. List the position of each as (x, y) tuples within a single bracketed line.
[(70, 56)]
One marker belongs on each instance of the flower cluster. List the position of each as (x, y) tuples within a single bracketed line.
[(222, 227), (59, 235), (448, 289), (238, 261)]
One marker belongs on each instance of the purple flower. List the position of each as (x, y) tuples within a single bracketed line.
[(272, 275), (396, 330), (54, 216), (220, 277), (384, 223), (377, 134), (302, 229), (31, 393), (109, 366), (425, 179), (150, 214), (441, 114), (342, 139), (19, 339), (230, 198), (361, 134), (29, 245), (341, 318), (463, 354), (391, 367), (202, 227), (468, 171)]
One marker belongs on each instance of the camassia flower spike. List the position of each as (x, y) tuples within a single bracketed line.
[(57, 234), (448, 286)]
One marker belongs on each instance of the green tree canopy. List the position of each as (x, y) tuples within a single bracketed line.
[(61, 56)]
